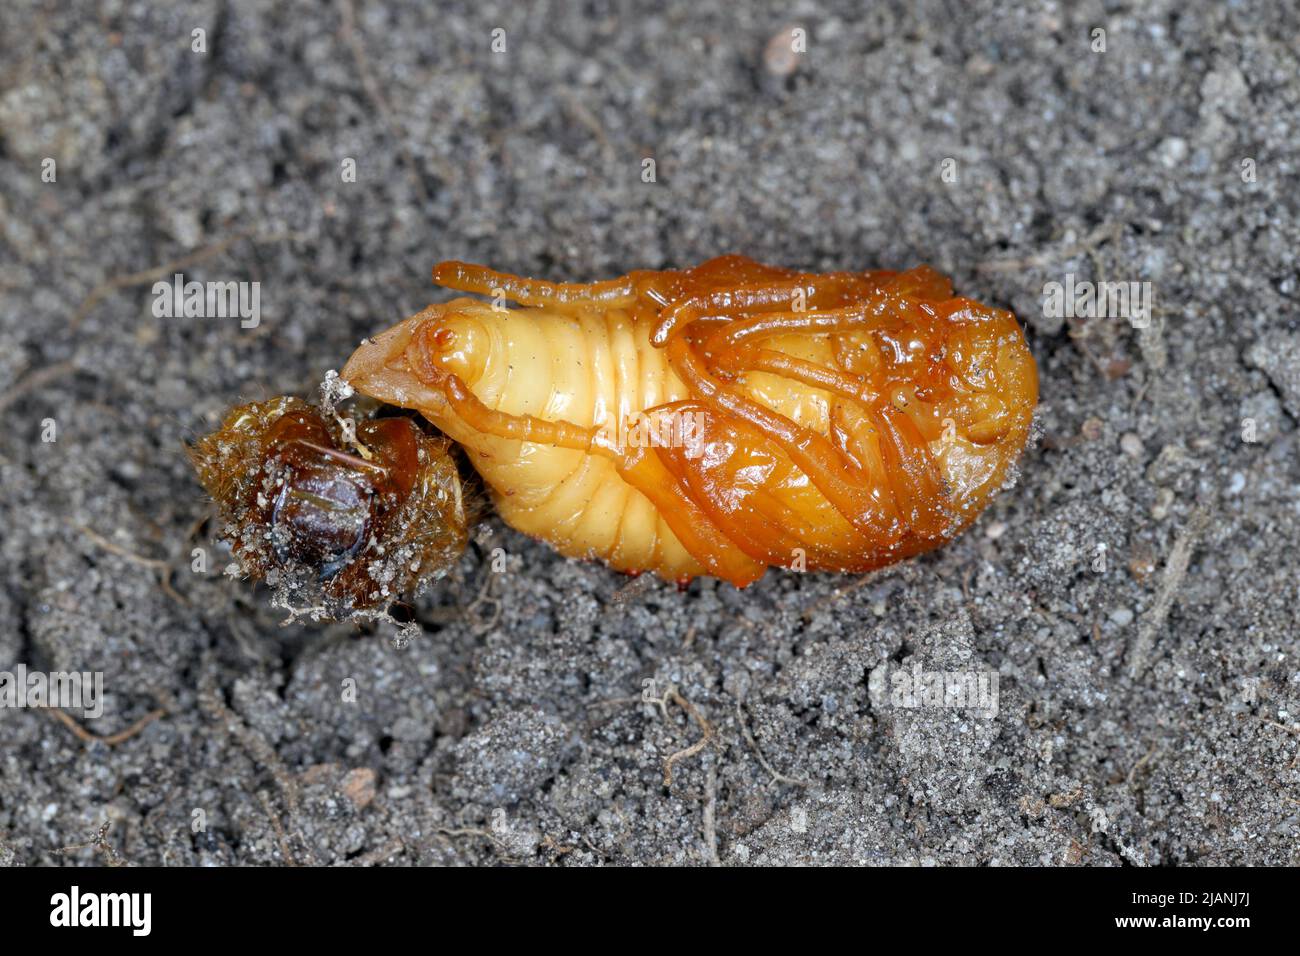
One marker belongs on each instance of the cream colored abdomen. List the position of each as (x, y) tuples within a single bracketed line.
[(594, 369)]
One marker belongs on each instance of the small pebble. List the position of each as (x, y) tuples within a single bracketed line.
[(780, 58), (1164, 498), (1173, 151), (359, 787)]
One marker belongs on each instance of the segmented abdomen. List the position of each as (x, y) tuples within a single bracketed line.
[(592, 368)]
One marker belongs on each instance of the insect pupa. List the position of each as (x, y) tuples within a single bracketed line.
[(722, 419)]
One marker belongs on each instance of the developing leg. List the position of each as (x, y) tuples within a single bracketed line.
[(466, 277)]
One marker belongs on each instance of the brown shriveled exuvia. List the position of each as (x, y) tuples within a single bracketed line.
[(716, 420), (335, 521)]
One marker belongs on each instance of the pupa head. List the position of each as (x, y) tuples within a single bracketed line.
[(410, 364)]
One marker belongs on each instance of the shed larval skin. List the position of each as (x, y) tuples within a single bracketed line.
[(722, 419)]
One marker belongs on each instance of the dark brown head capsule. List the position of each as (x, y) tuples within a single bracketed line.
[(333, 521)]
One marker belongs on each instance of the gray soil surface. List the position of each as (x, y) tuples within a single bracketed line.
[(1134, 593)]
